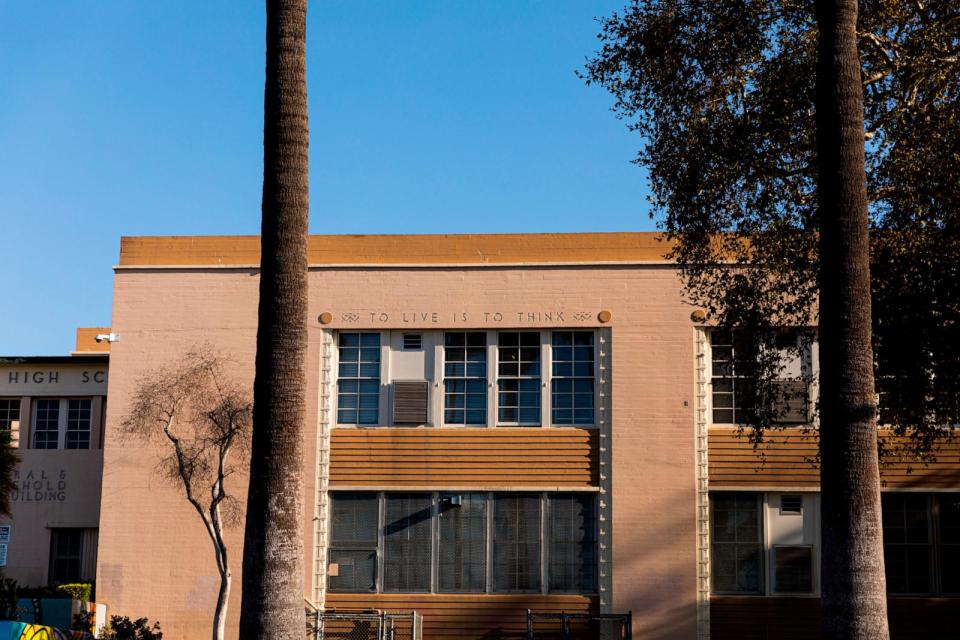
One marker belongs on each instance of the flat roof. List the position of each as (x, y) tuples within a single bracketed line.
[(32, 360), (388, 250)]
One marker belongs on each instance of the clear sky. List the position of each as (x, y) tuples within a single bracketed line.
[(145, 118)]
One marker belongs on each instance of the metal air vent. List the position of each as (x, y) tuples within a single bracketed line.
[(410, 399)]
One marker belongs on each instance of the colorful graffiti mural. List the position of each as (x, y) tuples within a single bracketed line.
[(26, 631)]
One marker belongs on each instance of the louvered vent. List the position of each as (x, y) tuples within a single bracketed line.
[(791, 504), (410, 401), (791, 398)]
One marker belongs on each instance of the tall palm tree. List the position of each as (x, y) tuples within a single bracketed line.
[(853, 590), (272, 604)]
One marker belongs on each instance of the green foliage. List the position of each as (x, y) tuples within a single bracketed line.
[(722, 95), (78, 591), (9, 459), (123, 628), (83, 621), (8, 599)]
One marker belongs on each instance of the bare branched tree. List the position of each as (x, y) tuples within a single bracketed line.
[(201, 417)]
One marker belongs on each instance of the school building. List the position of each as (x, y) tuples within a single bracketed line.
[(499, 423), (53, 409)]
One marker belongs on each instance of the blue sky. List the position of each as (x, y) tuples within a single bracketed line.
[(145, 118)]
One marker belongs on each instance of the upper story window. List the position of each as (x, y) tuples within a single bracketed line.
[(734, 387), (78, 423), (10, 419), (9, 412), (468, 378), (46, 423), (358, 380), (518, 378), (62, 423), (573, 377), (465, 378)]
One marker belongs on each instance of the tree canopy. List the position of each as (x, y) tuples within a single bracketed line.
[(722, 94)]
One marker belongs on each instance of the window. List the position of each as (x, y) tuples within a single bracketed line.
[(949, 530), (921, 543), (358, 382), (736, 543), (518, 378), (406, 542), (465, 378), (353, 542), (906, 542), (463, 543), (573, 377), (66, 555), (470, 542), (9, 412), (793, 569), (78, 423), (46, 423), (516, 542), (62, 423), (733, 388), (572, 528)]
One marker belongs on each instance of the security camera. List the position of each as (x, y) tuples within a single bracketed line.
[(109, 337)]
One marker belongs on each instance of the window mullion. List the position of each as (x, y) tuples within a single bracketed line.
[(435, 543), (546, 376), (492, 360), (933, 513), (62, 423), (489, 543), (381, 518), (544, 555)]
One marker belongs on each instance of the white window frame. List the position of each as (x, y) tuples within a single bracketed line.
[(440, 375), (767, 500), (810, 366), (437, 419), (382, 397), (62, 421)]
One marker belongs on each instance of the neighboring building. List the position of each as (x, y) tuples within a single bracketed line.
[(497, 423), (54, 409)]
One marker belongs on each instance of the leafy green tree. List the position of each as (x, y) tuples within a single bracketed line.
[(776, 134), (272, 599)]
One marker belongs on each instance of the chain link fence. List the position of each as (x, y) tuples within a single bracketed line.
[(364, 625), (579, 626)]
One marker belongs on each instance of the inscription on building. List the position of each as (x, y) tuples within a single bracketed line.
[(39, 486), (512, 318), (26, 376)]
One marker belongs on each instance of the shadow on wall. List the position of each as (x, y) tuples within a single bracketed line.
[(656, 576)]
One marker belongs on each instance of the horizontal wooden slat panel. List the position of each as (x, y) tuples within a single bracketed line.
[(759, 618), (467, 616), (462, 458), (787, 459)]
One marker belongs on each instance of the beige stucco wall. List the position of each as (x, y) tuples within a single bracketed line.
[(154, 558), (54, 488)]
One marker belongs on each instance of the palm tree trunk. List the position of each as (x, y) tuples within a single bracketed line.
[(853, 587), (272, 598)]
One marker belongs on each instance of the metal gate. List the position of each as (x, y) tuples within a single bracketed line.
[(365, 625), (579, 626)]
